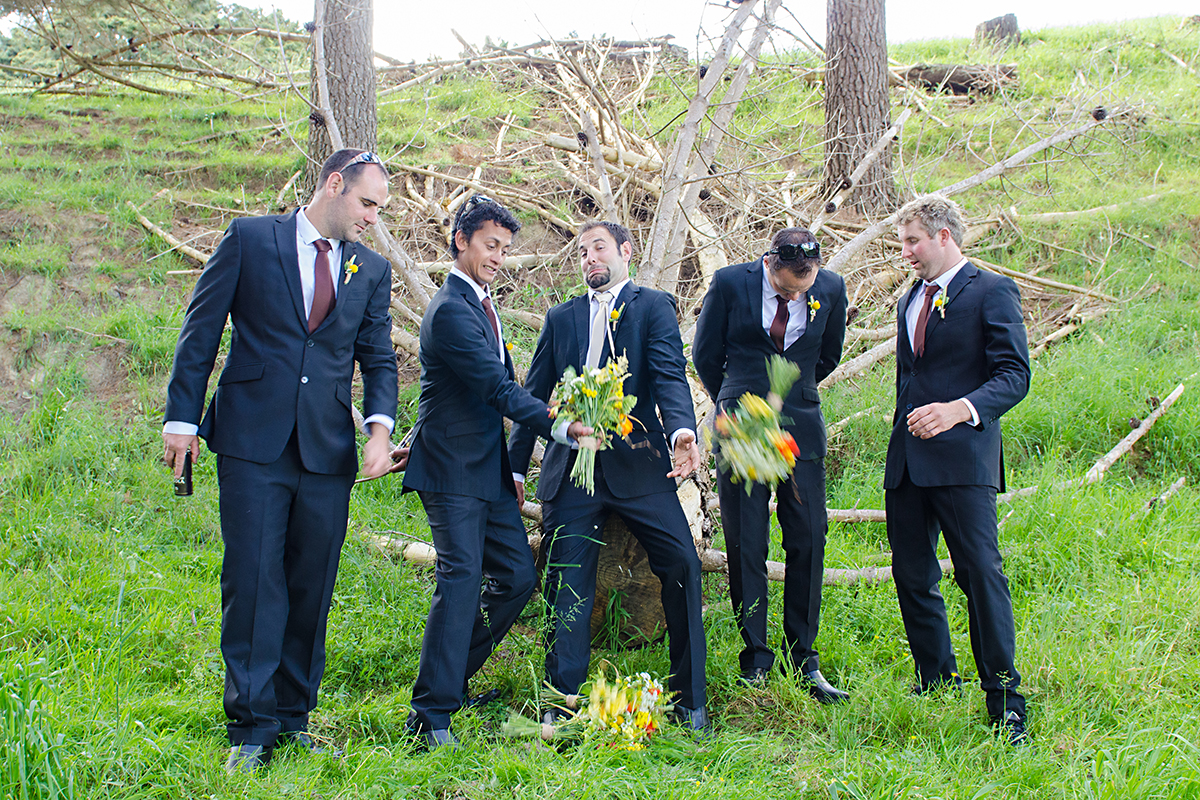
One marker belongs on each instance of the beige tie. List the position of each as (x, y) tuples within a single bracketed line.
[(599, 329)]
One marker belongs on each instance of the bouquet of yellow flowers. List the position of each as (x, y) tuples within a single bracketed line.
[(749, 442), (596, 397), (623, 712)]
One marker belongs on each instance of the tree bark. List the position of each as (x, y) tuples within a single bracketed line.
[(857, 109), (349, 64)]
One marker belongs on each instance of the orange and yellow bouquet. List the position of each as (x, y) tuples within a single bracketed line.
[(623, 711), (748, 441), (596, 397)]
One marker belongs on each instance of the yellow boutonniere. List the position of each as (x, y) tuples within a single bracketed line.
[(615, 315), (351, 268), (940, 302), (814, 305), (508, 346)]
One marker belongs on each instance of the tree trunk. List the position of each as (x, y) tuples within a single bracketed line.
[(349, 64), (857, 109)]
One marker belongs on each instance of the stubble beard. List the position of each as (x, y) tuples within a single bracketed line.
[(598, 280)]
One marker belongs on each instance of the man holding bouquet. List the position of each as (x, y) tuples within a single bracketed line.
[(633, 477), (784, 304)]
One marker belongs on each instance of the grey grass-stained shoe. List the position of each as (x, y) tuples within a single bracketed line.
[(247, 758), (822, 690), (1011, 727)]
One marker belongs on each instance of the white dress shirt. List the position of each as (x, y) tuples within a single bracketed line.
[(914, 311), (797, 312)]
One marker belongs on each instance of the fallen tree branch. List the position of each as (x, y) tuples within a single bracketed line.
[(1154, 502), (860, 363), (176, 244)]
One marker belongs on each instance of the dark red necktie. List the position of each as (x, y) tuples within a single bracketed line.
[(779, 324), (923, 319), (491, 315), (322, 287)]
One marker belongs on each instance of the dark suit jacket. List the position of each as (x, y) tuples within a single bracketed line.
[(647, 332), (279, 378), (980, 352), (466, 391), (731, 348)]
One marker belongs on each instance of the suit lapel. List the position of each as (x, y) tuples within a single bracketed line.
[(753, 292), (289, 263), (964, 277), (903, 344), (580, 312), (622, 305)]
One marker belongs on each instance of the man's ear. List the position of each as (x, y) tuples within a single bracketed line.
[(944, 237), (627, 251), (333, 186), (460, 241)]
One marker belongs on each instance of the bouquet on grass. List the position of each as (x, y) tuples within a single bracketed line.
[(596, 397), (624, 711), (749, 443)]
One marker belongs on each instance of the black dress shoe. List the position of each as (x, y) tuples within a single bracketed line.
[(1011, 727), (822, 690), (555, 716), (755, 678), (306, 742), (247, 758), (694, 719), (490, 696)]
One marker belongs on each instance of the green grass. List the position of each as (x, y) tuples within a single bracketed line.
[(110, 668)]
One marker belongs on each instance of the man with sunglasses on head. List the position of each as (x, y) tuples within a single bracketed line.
[(306, 301), (781, 304), (458, 463)]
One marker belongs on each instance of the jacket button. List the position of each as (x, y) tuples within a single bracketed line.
[(311, 343), (914, 372), (305, 380), (908, 408)]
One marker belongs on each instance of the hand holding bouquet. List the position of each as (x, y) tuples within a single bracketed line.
[(749, 443), (597, 399)]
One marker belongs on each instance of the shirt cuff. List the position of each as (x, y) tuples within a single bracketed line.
[(974, 413), (182, 428), (382, 419), (559, 434), (675, 435), (518, 478)]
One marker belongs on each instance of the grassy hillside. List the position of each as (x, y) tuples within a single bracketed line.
[(109, 599)]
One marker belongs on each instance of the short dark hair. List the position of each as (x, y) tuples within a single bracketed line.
[(801, 266), (619, 232), (478, 209), (338, 161)]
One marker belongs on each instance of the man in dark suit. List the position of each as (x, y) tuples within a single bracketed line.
[(783, 303), (962, 361), (634, 479), (458, 463), (306, 301)]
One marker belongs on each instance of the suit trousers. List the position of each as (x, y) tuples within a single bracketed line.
[(574, 520), (966, 516), (746, 521), (485, 575), (283, 529)]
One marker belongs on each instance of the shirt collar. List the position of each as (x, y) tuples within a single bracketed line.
[(943, 280), (480, 291), (615, 291), (308, 232)]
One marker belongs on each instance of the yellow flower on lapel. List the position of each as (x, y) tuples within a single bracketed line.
[(814, 305), (508, 346), (351, 268), (614, 316), (940, 302)]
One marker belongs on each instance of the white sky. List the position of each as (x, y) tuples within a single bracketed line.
[(417, 29)]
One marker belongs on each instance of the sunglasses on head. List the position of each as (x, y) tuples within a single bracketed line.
[(476, 200), (365, 157), (795, 252)]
